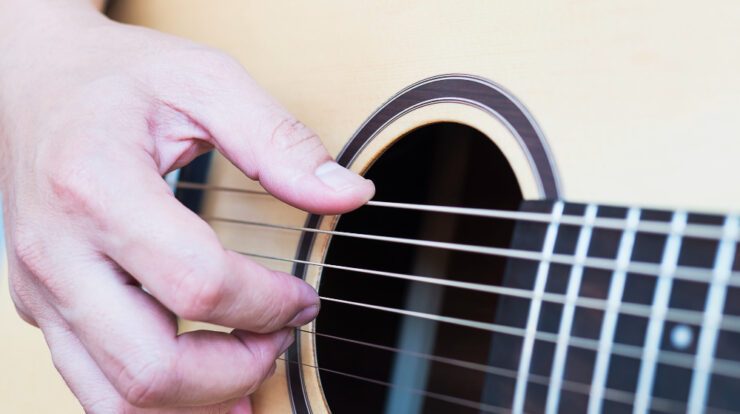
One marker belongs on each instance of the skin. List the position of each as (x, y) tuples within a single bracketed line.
[(92, 115)]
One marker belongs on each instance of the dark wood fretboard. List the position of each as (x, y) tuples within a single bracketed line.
[(621, 320)]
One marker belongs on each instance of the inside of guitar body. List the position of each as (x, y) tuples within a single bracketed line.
[(382, 361)]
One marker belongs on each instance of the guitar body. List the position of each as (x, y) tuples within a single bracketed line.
[(618, 103)]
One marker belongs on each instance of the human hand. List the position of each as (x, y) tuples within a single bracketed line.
[(92, 114)]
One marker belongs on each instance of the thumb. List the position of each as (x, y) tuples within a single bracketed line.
[(292, 163), (266, 142)]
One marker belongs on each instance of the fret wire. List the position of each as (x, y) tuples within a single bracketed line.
[(725, 367), (730, 323), (715, 301), (609, 323), (706, 231), (661, 299), (568, 312), (543, 268), (662, 404), (689, 273)]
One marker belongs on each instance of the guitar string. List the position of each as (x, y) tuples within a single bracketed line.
[(610, 394), (692, 230), (729, 323), (723, 367), (728, 368), (708, 231), (657, 404), (690, 273), (437, 396)]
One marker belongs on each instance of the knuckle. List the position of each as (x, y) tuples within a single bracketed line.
[(293, 135), (272, 314), (34, 266), (29, 250), (263, 362), (21, 296), (148, 384), (263, 321), (199, 293), (213, 64), (71, 183)]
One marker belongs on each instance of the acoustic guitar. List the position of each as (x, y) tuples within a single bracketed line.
[(555, 228)]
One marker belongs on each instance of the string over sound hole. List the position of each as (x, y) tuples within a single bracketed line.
[(378, 361)]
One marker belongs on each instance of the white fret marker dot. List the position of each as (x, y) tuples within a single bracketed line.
[(681, 337)]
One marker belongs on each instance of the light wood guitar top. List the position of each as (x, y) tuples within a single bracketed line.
[(621, 90)]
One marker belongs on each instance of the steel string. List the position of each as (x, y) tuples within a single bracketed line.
[(708, 231), (690, 273)]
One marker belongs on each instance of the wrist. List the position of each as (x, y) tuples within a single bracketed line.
[(42, 33), (40, 40), (21, 20)]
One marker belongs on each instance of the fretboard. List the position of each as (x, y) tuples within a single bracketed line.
[(638, 317)]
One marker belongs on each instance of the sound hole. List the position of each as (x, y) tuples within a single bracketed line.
[(443, 164)]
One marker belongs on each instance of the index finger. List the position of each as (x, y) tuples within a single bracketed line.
[(178, 258)]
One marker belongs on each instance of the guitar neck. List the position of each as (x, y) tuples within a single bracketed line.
[(643, 305)]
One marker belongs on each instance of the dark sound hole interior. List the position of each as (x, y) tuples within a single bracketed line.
[(442, 164)]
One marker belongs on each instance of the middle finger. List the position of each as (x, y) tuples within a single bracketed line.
[(134, 341)]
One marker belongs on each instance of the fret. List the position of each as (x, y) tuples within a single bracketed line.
[(670, 383), (541, 366), (578, 368), (722, 396), (680, 337), (723, 389), (520, 390), (661, 374), (596, 284), (712, 316), (604, 242), (549, 322), (724, 386), (512, 311), (732, 301), (566, 321), (550, 313), (661, 298), (609, 324)]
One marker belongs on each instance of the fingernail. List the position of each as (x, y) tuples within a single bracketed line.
[(305, 316), (337, 177), (287, 341)]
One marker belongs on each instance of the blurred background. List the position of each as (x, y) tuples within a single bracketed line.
[(28, 381)]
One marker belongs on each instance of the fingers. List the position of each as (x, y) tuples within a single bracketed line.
[(80, 372), (134, 341), (95, 392), (177, 257), (263, 140)]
